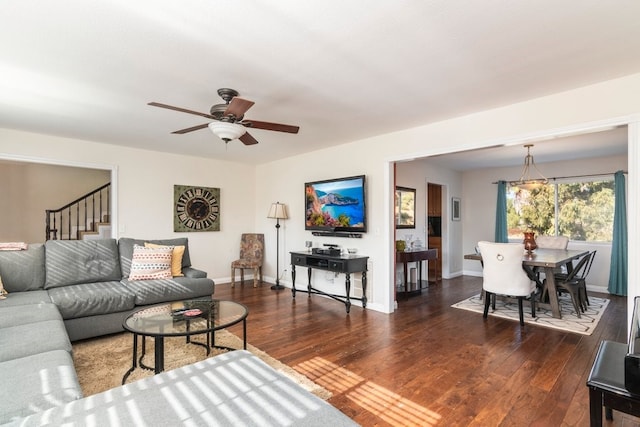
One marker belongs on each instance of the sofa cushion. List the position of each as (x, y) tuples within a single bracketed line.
[(193, 273), (25, 298), (151, 263), (33, 338), (125, 246), (23, 270), (34, 383), (23, 314), (69, 262), (90, 299), (178, 288), (231, 389)]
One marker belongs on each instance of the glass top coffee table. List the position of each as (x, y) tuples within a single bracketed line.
[(182, 318)]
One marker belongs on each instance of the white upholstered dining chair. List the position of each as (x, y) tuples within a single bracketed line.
[(503, 274)]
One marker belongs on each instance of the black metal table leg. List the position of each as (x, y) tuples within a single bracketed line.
[(143, 353), (159, 354), (134, 359), (244, 333)]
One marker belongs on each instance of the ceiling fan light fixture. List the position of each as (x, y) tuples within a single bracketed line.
[(227, 131), (526, 182)]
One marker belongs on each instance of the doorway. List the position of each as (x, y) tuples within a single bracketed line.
[(36, 186), (434, 229)]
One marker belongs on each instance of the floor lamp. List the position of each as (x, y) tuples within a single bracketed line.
[(278, 211)]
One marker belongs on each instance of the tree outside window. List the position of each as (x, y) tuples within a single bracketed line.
[(582, 211)]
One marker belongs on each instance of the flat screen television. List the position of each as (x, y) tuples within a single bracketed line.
[(337, 205)]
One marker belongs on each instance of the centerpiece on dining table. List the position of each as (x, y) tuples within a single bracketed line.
[(529, 241)]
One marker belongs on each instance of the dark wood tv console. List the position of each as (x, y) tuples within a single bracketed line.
[(346, 264)]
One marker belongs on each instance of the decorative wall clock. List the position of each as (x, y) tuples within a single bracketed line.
[(196, 208)]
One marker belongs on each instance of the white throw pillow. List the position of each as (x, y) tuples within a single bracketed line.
[(151, 263)]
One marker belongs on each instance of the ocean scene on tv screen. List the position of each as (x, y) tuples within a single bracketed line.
[(335, 204)]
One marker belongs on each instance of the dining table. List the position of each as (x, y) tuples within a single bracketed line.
[(548, 260)]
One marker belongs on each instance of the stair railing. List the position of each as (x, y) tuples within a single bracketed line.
[(83, 208)]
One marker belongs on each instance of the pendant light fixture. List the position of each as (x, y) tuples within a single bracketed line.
[(526, 182)]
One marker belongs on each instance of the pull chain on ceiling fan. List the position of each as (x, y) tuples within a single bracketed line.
[(228, 119)]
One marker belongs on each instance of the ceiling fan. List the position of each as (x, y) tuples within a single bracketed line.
[(229, 120)]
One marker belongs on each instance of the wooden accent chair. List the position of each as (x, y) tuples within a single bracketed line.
[(503, 274), (251, 256)]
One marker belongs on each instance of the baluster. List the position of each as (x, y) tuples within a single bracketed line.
[(77, 221), (47, 225), (93, 211), (84, 224), (109, 202)]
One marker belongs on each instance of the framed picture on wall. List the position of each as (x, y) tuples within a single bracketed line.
[(405, 207), (455, 209)]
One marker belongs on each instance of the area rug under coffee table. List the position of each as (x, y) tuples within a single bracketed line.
[(101, 362), (508, 309)]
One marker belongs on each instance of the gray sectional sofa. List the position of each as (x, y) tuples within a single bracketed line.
[(64, 291)]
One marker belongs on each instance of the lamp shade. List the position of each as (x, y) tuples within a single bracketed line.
[(277, 211), (227, 131)]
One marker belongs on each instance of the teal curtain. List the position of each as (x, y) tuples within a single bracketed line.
[(501, 214), (618, 272)]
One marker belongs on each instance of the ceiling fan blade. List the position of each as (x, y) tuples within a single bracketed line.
[(247, 139), (183, 110), (191, 129), (238, 106), (256, 124)]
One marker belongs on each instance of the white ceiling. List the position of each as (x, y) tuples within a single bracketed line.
[(341, 70), (610, 142)]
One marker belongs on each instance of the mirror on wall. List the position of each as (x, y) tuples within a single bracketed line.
[(405, 209)]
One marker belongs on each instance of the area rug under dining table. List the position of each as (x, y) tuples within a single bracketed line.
[(508, 309)]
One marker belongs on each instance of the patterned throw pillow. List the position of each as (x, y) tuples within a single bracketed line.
[(151, 263), (176, 257)]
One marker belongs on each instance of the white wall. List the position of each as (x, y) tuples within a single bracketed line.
[(479, 194), (143, 191), (592, 107), (146, 178)]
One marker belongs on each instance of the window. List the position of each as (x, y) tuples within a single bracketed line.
[(582, 210)]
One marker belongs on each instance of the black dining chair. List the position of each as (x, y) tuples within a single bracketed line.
[(574, 283)]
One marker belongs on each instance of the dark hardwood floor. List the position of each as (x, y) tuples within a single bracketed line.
[(430, 364)]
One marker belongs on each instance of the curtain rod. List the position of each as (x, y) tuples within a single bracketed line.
[(578, 176)]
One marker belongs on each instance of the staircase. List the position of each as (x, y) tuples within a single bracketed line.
[(85, 218)]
